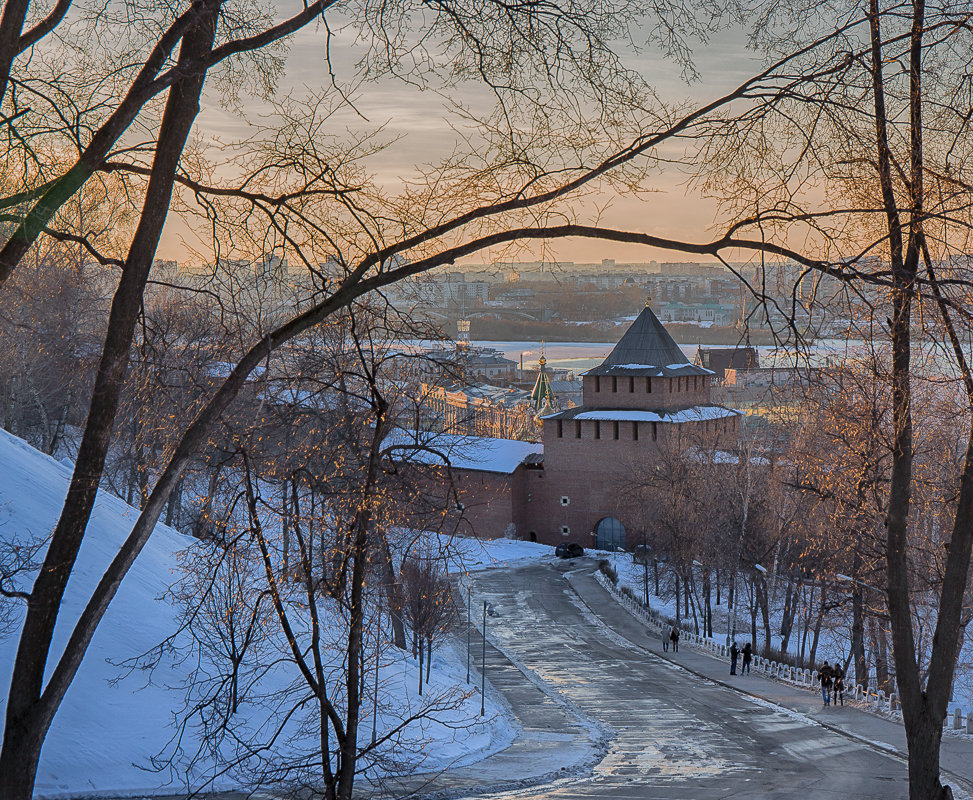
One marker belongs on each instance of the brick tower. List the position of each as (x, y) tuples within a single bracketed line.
[(646, 393)]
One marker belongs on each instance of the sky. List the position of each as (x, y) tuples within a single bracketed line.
[(415, 120)]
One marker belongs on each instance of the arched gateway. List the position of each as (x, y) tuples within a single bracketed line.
[(610, 534)]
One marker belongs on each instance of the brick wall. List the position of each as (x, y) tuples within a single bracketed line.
[(624, 391), (592, 473)]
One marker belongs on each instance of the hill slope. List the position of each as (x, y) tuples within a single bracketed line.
[(111, 722)]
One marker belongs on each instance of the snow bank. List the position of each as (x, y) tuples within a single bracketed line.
[(113, 721)]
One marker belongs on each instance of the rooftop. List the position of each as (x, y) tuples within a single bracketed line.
[(647, 349), (460, 452)]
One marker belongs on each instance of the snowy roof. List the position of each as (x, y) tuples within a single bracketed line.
[(646, 348), (462, 452), (693, 414)]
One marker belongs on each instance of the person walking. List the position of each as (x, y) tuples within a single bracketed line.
[(665, 641), (747, 656), (838, 680), (734, 654), (674, 638), (826, 677)]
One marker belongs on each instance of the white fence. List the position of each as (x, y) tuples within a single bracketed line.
[(870, 699)]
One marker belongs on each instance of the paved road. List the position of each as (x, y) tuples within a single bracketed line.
[(674, 734)]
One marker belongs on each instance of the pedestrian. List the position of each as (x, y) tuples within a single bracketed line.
[(674, 638), (838, 679), (734, 654), (825, 677), (747, 656), (665, 641)]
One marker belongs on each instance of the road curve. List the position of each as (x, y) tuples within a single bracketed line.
[(673, 734)]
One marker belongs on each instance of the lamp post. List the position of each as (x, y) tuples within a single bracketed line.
[(378, 636), (849, 579), (469, 630), (483, 665)]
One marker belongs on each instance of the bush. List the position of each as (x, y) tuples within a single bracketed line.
[(661, 619), (781, 657), (606, 569)]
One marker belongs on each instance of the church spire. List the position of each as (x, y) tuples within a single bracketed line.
[(543, 395)]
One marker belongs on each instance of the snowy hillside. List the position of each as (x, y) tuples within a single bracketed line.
[(107, 729)]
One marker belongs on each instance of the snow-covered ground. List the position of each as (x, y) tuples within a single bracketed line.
[(114, 720)]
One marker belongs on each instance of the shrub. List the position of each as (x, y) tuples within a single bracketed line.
[(606, 569)]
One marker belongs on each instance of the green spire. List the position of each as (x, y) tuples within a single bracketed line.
[(543, 395)]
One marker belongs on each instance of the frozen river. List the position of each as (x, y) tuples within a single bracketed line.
[(580, 356)]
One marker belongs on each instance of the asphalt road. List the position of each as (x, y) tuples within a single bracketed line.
[(673, 734)]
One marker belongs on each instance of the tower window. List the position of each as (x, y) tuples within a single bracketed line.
[(631, 385), (565, 530), (560, 429), (614, 383), (648, 385), (577, 429), (655, 431), (597, 383), (597, 429), (614, 430), (635, 431), (565, 500)]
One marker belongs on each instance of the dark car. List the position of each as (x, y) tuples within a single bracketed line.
[(569, 550)]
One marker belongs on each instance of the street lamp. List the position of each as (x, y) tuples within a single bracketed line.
[(483, 665), (378, 642), (849, 579), (469, 630)]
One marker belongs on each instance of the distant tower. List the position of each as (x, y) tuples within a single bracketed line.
[(543, 395)]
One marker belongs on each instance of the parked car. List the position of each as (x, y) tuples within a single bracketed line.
[(569, 550)]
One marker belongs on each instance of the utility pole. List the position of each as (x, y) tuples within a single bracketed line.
[(378, 637), (483, 666), (469, 630)]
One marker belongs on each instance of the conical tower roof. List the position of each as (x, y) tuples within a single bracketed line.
[(542, 394), (647, 349)]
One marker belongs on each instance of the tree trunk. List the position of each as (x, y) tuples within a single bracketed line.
[(420, 650), (30, 705), (678, 607), (708, 607), (787, 617), (817, 626), (881, 650)]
